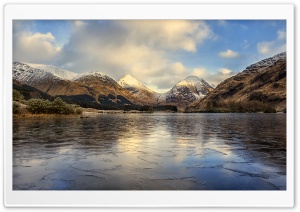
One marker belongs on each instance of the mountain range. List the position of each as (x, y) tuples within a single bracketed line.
[(260, 86), (97, 89)]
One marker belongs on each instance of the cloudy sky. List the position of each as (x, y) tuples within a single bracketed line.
[(159, 53)]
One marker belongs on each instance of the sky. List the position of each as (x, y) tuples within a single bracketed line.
[(158, 53)]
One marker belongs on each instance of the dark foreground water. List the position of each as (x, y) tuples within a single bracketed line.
[(159, 151)]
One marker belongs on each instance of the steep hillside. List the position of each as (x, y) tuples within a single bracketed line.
[(30, 92), (259, 87), (94, 88), (90, 89), (106, 90), (138, 89), (46, 81)]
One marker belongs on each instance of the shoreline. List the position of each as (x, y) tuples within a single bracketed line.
[(86, 113), (91, 112)]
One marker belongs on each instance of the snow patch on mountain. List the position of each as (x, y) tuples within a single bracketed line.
[(187, 91), (91, 74), (27, 74), (195, 81), (184, 92), (56, 71), (130, 83), (265, 63)]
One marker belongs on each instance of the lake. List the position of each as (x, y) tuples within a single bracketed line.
[(151, 151)]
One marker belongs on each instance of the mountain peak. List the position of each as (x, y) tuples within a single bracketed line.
[(130, 81), (138, 89), (192, 77), (188, 90), (56, 71), (193, 81)]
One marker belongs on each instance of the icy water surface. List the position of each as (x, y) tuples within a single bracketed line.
[(159, 151)]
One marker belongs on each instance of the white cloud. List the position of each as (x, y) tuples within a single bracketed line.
[(221, 75), (168, 34), (213, 77), (178, 68), (79, 23), (281, 35), (228, 54), (265, 47), (37, 47), (138, 47), (224, 71), (200, 72), (270, 48), (143, 48)]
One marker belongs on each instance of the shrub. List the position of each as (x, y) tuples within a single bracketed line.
[(147, 108), (226, 106), (78, 110), (17, 96), (38, 106), (269, 110), (16, 108)]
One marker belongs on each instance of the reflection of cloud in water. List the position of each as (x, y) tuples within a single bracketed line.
[(151, 151)]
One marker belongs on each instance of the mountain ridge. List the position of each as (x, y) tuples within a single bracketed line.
[(262, 83), (261, 86)]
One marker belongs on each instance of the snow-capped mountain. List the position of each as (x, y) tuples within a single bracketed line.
[(183, 93), (91, 74), (100, 83), (56, 71), (28, 74), (98, 87), (49, 80), (187, 91), (261, 65), (93, 77), (131, 83), (88, 87), (105, 89), (138, 89)]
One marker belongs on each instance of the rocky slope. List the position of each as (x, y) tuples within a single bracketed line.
[(105, 89), (92, 88), (87, 89), (187, 91), (46, 80), (261, 85), (138, 89), (182, 94)]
